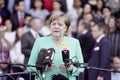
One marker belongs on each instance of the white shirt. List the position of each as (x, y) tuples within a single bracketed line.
[(16, 55), (69, 4), (45, 31), (34, 33), (10, 37), (98, 40), (73, 15), (115, 76), (27, 5)]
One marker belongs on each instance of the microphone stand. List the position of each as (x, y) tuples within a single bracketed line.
[(20, 73), (85, 65)]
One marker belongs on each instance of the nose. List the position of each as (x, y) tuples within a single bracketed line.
[(56, 26)]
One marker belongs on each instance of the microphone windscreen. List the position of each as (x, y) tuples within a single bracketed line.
[(65, 56), (41, 56)]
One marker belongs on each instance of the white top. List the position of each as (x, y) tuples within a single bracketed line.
[(73, 15), (45, 31), (10, 37), (41, 14), (69, 4), (16, 55), (115, 76), (27, 5)]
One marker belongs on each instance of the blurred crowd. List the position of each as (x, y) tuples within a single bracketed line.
[(23, 21)]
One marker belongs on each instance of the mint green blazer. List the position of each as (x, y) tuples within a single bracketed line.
[(47, 42)]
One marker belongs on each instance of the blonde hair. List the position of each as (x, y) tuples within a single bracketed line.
[(58, 14)]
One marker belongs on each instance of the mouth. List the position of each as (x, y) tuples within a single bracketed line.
[(56, 31)]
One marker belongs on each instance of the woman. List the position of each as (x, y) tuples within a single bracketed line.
[(74, 14), (39, 11), (9, 34), (16, 55), (57, 6), (4, 53), (111, 26), (59, 24)]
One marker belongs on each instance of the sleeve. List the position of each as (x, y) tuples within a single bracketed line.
[(33, 56), (76, 71), (25, 46)]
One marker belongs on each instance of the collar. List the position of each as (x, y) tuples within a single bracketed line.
[(98, 40), (33, 32), (85, 31)]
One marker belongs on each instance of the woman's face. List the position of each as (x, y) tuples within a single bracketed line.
[(87, 8), (106, 12), (99, 4), (56, 6), (58, 27), (8, 24), (38, 3), (77, 3), (111, 23)]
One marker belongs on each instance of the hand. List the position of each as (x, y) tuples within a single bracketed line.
[(100, 78), (64, 69), (51, 67), (70, 68)]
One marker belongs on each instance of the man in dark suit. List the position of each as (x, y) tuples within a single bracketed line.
[(100, 56), (29, 37), (18, 17), (86, 42)]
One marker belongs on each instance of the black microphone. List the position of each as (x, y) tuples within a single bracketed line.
[(65, 56), (40, 59), (48, 60)]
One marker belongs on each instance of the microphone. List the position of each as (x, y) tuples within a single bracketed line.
[(65, 56), (41, 58), (48, 60)]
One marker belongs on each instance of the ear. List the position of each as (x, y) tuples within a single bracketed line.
[(66, 29)]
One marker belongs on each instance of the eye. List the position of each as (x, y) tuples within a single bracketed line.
[(53, 23), (59, 24)]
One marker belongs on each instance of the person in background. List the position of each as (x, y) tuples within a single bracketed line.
[(16, 55), (18, 17), (39, 11), (97, 13), (4, 11), (114, 38), (101, 54), (9, 34), (1, 20), (29, 37), (114, 5), (111, 26), (74, 14), (59, 24), (4, 52), (26, 27), (57, 6), (45, 30), (87, 8), (106, 14), (86, 42), (115, 64)]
